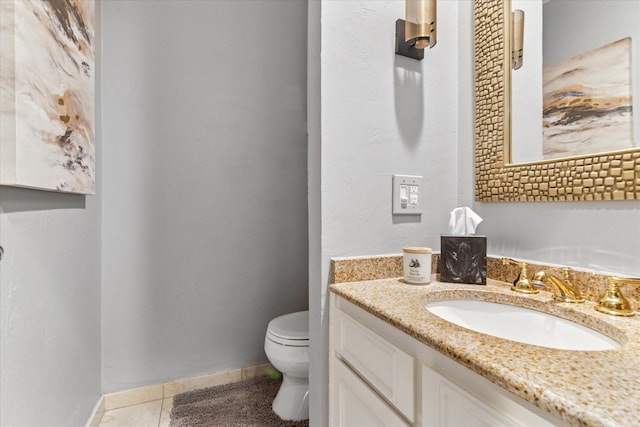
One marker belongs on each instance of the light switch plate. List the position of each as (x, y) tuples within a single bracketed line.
[(407, 195)]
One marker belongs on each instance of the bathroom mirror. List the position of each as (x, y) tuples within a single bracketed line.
[(612, 175)]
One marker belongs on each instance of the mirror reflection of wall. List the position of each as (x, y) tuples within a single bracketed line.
[(526, 88), (562, 29)]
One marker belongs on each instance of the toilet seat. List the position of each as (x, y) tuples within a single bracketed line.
[(290, 329), (283, 341)]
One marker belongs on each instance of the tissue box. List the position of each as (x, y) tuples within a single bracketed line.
[(463, 259)]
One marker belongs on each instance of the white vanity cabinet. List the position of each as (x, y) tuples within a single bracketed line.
[(380, 376)]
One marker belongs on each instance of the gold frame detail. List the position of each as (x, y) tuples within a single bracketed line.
[(603, 176)]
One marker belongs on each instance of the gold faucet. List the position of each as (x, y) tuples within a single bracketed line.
[(522, 284), (563, 289), (613, 302)]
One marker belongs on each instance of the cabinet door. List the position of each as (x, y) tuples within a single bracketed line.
[(388, 369), (446, 405), (354, 404)]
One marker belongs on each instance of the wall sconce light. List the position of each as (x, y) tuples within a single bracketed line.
[(517, 38), (418, 31)]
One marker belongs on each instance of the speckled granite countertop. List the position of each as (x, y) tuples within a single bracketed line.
[(582, 388)]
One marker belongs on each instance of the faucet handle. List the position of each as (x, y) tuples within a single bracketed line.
[(522, 284), (568, 274), (507, 261), (613, 302), (625, 280)]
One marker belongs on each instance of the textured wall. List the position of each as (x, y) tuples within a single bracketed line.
[(380, 114), (50, 302), (205, 186)]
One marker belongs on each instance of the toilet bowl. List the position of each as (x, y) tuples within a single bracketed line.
[(287, 347)]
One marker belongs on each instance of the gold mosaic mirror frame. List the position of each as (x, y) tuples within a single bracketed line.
[(603, 176)]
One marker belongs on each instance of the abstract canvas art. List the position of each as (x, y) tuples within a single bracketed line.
[(587, 103), (47, 89)]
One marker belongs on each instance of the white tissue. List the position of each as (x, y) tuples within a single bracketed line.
[(463, 221)]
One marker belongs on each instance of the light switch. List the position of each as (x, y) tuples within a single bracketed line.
[(406, 195)]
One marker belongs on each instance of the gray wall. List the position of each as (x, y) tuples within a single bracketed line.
[(49, 308), (318, 321), (205, 186), (50, 301), (375, 114)]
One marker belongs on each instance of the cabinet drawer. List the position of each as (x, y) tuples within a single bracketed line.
[(355, 404), (387, 368)]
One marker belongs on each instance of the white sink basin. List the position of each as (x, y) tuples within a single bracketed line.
[(521, 324)]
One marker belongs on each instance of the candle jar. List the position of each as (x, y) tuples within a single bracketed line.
[(416, 263)]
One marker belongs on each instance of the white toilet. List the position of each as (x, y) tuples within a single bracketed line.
[(287, 348)]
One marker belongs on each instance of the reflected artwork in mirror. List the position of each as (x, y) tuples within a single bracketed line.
[(587, 103), (609, 175), (577, 79)]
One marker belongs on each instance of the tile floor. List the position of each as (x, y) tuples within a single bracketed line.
[(156, 413), (151, 406)]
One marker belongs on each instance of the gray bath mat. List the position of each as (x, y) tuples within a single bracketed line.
[(243, 404)]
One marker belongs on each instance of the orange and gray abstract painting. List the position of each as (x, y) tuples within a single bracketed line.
[(587, 103), (47, 83)]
